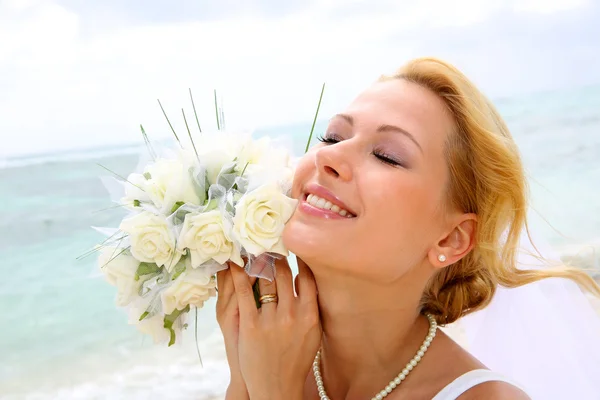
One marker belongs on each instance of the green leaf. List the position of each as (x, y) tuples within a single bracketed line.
[(176, 206), (178, 270), (170, 320), (235, 185), (146, 269), (237, 197), (315, 119), (211, 205), (136, 203)]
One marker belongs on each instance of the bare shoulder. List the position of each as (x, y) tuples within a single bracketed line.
[(494, 391), (444, 373)]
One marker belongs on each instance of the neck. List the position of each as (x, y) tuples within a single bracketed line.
[(369, 330)]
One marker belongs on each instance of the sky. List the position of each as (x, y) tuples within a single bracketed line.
[(80, 73)]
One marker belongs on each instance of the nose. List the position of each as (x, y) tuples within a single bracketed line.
[(331, 161)]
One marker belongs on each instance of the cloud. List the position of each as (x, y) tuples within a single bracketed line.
[(144, 12), (66, 81)]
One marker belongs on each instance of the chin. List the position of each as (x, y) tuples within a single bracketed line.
[(316, 247), (302, 241)]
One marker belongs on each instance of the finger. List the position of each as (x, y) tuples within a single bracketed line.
[(232, 264), (267, 287), (224, 284), (244, 294), (283, 280), (225, 294), (225, 281), (307, 287)]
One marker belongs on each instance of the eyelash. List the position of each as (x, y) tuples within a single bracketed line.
[(381, 156)]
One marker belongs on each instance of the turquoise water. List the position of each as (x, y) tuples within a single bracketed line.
[(60, 328)]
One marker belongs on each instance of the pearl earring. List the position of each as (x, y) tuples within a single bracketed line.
[(442, 258)]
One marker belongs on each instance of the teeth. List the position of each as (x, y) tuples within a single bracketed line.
[(327, 205)]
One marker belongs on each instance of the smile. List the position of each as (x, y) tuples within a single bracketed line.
[(323, 204)]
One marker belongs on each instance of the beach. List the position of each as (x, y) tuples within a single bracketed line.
[(63, 337)]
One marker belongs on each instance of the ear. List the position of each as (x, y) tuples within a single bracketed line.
[(456, 244)]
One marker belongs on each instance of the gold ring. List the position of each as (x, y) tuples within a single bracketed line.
[(268, 298)]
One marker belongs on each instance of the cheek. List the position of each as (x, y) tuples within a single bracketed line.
[(297, 236), (396, 198), (303, 173), (402, 213)]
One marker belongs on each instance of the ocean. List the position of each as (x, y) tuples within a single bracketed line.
[(63, 338)]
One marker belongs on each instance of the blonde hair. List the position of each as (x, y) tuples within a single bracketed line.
[(486, 178)]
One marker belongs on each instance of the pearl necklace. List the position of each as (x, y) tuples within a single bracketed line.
[(394, 382)]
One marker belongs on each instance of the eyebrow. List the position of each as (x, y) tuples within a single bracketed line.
[(384, 128)]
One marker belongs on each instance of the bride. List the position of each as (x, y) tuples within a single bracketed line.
[(410, 215)]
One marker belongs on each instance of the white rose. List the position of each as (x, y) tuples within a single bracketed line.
[(151, 239), (192, 287), (259, 220), (204, 235), (170, 182), (119, 270)]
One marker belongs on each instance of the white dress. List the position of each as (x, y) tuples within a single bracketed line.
[(466, 381)]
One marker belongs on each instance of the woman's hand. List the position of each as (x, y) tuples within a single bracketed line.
[(228, 317), (278, 342)]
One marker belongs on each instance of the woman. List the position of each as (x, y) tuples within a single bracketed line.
[(410, 214)]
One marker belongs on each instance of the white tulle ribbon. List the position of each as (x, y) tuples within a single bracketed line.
[(544, 335)]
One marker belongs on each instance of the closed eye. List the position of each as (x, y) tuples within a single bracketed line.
[(329, 138), (387, 159)]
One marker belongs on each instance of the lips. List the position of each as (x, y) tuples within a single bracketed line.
[(320, 197)]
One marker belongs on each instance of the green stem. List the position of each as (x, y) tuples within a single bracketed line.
[(196, 337), (315, 119), (172, 130), (119, 176), (189, 133), (148, 144), (195, 113), (217, 110)]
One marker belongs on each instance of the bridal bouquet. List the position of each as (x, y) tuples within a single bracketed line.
[(192, 211)]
